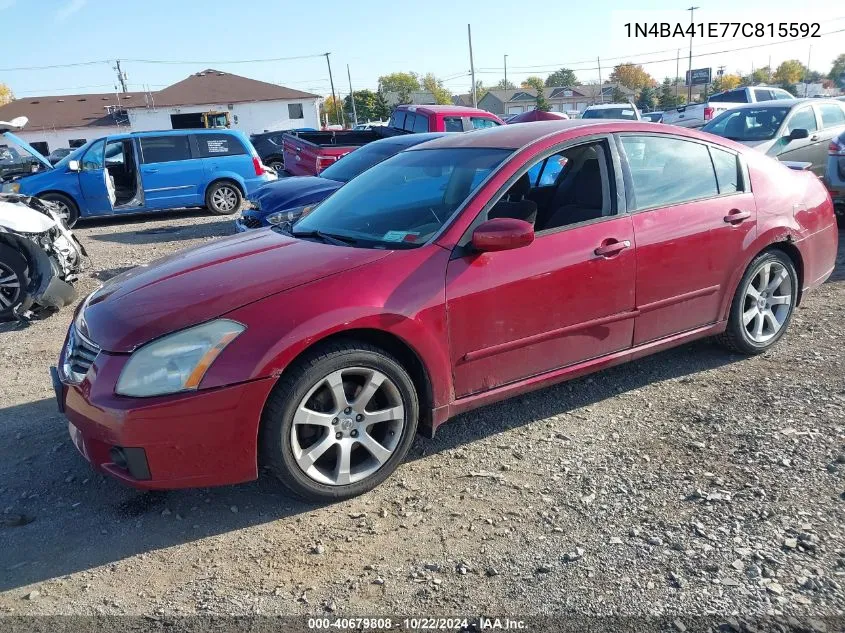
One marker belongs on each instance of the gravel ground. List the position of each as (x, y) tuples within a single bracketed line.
[(693, 482)]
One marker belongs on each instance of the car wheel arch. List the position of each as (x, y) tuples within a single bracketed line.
[(229, 179), (59, 192)]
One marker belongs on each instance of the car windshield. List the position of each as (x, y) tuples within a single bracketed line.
[(76, 154), (748, 124), (403, 201), (610, 113), (360, 160)]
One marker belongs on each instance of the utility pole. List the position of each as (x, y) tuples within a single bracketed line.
[(601, 87), (506, 71), (331, 82), (472, 68), (806, 76), (689, 79), (769, 80), (121, 76), (352, 96), (677, 73)]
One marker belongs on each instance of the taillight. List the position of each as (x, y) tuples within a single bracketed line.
[(708, 113), (324, 161), (259, 168), (837, 147)]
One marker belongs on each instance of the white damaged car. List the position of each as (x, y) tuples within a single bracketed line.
[(39, 257)]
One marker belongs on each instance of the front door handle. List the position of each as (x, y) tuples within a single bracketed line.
[(151, 171), (814, 137), (735, 216), (611, 247)]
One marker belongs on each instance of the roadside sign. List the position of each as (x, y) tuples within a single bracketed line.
[(700, 76)]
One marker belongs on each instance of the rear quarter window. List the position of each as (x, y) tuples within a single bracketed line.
[(453, 124), (212, 145)]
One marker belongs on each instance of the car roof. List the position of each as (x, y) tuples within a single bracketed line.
[(409, 140), (441, 109), (781, 103), (607, 106)]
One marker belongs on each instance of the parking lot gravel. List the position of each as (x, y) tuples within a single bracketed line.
[(692, 482)]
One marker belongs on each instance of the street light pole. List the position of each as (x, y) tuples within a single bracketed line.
[(472, 67), (689, 77), (506, 71), (331, 81)]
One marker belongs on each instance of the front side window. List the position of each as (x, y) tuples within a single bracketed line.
[(453, 124), (212, 145), (667, 171), (93, 158), (763, 95), (727, 171), (164, 149), (545, 172), (480, 123), (832, 115), (403, 201), (295, 111), (748, 124), (804, 119), (114, 154)]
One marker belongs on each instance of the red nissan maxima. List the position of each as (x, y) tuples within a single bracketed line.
[(459, 272)]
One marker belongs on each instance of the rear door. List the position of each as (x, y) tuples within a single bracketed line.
[(223, 153), (171, 174), (693, 214)]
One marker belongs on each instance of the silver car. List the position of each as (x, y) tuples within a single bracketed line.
[(798, 130)]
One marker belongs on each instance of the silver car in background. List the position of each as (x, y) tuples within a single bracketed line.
[(796, 130)]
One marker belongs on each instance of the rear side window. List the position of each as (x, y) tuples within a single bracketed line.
[(397, 120), (453, 124), (667, 171), (410, 119), (164, 149), (727, 171), (732, 96), (482, 122), (211, 145), (832, 115), (421, 124), (763, 95)]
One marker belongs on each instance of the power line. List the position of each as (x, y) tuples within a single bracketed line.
[(162, 61)]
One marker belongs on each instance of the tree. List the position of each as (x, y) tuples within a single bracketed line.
[(505, 85), (365, 105), (399, 82), (814, 77), (562, 77), (381, 109), (533, 82), (617, 96), (542, 103), (729, 82), (433, 85), (790, 72), (480, 89), (327, 108), (647, 99), (631, 76), (837, 70), (6, 95), (667, 99)]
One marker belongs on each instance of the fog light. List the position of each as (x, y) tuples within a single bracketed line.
[(118, 457)]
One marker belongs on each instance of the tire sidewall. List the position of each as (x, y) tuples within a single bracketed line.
[(277, 438), (73, 210), (741, 335), (16, 261), (209, 196)]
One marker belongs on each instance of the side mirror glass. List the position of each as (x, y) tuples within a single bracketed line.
[(502, 234), (73, 165)]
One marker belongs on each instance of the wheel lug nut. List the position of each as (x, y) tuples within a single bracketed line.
[(359, 417), (354, 433), (338, 436), (335, 421), (347, 410)]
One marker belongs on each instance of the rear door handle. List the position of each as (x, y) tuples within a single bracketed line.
[(611, 247), (735, 216)]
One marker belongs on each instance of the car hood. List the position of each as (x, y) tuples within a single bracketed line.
[(287, 193), (29, 148), (203, 283)]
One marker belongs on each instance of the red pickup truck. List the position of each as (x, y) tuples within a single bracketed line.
[(309, 153)]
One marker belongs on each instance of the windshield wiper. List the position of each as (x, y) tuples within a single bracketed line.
[(328, 238)]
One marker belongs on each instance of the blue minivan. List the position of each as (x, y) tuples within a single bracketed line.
[(140, 172)]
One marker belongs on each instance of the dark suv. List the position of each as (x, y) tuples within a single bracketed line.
[(269, 147)]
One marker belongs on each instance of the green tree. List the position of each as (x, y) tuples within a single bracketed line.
[(562, 77), (837, 69), (533, 82), (790, 72), (647, 99), (327, 109), (433, 85), (631, 76), (542, 103), (814, 77), (667, 99), (381, 109), (399, 82), (365, 105), (6, 95), (790, 88), (505, 85), (617, 96), (480, 89)]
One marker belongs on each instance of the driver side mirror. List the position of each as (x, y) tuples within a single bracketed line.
[(502, 234), (73, 165), (798, 133)]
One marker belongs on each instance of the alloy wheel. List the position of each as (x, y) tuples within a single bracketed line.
[(347, 426), (767, 301), (277, 166), (225, 198), (10, 287)]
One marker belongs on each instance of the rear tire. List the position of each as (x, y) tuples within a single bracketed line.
[(67, 207), (14, 281), (223, 198), (276, 163), (339, 422), (763, 304)]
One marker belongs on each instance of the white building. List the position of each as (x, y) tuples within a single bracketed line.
[(251, 106)]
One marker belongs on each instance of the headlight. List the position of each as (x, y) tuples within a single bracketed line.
[(280, 217), (12, 187), (176, 362)]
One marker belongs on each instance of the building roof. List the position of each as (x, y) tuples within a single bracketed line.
[(214, 86), (72, 111)]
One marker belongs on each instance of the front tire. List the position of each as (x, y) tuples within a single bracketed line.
[(14, 281), (339, 422), (223, 198), (67, 208), (763, 304)]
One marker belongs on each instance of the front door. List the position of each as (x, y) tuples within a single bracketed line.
[(693, 212), (811, 149), (566, 298), (172, 177), (94, 181)]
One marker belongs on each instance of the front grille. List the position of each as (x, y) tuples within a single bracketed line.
[(79, 356), (251, 222)]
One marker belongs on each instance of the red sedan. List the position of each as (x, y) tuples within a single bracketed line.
[(457, 273)]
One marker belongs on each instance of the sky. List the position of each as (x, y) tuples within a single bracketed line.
[(377, 37)]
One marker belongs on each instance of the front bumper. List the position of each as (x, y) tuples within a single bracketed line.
[(193, 439)]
